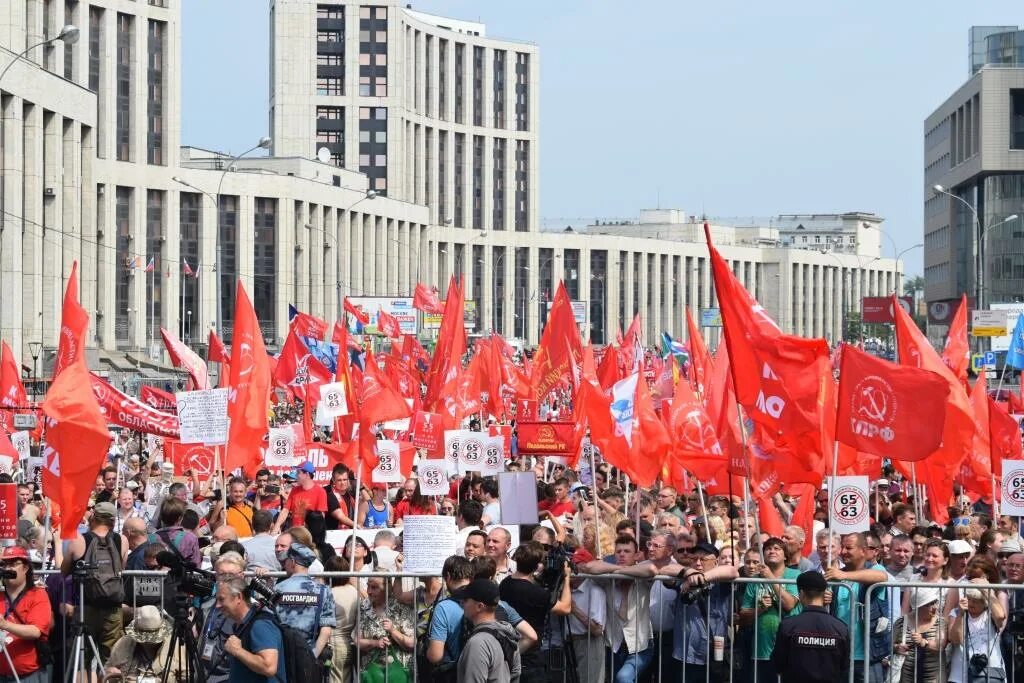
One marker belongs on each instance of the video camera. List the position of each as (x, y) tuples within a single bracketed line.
[(191, 580), (263, 592), (554, 568)]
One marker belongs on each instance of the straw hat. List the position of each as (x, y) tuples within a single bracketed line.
[(148, 626)]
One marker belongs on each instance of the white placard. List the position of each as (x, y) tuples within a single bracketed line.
[(454, 445), (493, 461), (6, 464), (22, 443), (1012, 493), (203, 416), (848, 501), (472, 456), (388, 468), (320, 419), (427, 541), (518, 494), (433, 477), (332, 398), (281, 450)]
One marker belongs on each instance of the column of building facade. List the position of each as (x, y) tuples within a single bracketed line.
[(329, 216), (370, 271), (321, 252), (245, 247), (355, 282), (174, 318), (52, 243), (828, 273), (654, 289), (13, 313), (70, 197)]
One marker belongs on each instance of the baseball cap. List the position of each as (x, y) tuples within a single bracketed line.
[(960, 547), (705, 548), (301, 554), (576, 487), (812, 581), (1010, 546), (105, 509), (481, 590), (306, 467), (15, 552)]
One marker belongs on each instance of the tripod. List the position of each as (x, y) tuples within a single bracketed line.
[(83, 642), (183, 633)]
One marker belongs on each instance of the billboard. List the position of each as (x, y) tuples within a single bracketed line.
[(579, 311), (710, 317), (988, 323), (1013, 311), (878, 309), (432, 321), (398, 306)]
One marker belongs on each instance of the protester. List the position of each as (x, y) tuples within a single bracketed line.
[(26, 619)]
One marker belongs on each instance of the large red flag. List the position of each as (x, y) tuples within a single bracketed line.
[(379, 401), (124, 411), (633, 346), (695, 443), (306, 325), (560, 347), (157, 398), (357, 312), (957, 352), (609, 370), (886, 409), (651, 442), (1004, 437), (74, 323), (216, 353), (451, 346), (388, 325), (777, 377), (250, 387), (299, 370), (976, 469), (12, 391), (700, 359), (425, 299), (184, 357)]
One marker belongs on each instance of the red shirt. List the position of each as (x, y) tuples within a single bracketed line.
[(33, 607), (404, 508), (558, 509), (301, 501)]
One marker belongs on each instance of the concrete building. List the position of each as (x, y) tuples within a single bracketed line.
[(405, 149), (974, 150)]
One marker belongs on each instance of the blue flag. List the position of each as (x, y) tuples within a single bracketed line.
[(1015, 354)]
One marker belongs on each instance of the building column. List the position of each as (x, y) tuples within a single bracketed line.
[(13, 316)]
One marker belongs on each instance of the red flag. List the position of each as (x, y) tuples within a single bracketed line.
[(957, 352), (700, 359), (184, 357), (12, 391), (451, 346), (425, 299), (632, 346), (976, 469), (74, 323), (120, 409), (460, 398), (803, 515), (609, 370), (250, 387), (695, 443), (560, 347), (157, 398), (1004, 437), (378, 400), (299, 370), (216, 353), (357, 312), (388, 325), (415, 353), (306, 325), (889, 410)]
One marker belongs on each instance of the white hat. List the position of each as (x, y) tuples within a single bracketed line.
[(920, 598), (148, 626), (1010, 546), (960, 547)]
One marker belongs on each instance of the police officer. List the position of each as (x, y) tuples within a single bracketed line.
[(305, 605), (813, 645)]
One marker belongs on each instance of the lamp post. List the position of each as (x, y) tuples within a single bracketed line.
[(69, 34), (35, 349), (264, 143), (371, 195)]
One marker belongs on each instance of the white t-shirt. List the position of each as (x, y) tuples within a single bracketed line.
[(980, 637)]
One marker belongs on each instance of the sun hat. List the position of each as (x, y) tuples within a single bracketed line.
[(148, 626)]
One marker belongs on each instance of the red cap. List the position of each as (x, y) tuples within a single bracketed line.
[(582, 556), (15, 552)]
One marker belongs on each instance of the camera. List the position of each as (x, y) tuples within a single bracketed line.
[(554, 567), (190, 579), (977, 665), (272, 489), (262, 591), (694, 594), (81, 568)]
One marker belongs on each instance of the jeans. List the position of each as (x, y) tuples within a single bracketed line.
[(875, 672), (627, 666)]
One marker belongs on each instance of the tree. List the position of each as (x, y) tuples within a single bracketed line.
[(853, 327)]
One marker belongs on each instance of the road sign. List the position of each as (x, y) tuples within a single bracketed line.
[(988, 323), (989, 360), (977, 362)]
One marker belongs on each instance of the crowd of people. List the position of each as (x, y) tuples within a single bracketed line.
[(633, 585)]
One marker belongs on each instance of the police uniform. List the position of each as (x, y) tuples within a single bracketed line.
[(304, 604), (813, 645)]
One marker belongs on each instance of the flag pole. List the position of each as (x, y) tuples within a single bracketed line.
[(597, 506), (831, 493), (746, 480), (181, 306), (704, 508)]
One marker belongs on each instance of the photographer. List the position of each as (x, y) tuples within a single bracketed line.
[(26, 619), (217, 627), (974, 632), (253, 651)]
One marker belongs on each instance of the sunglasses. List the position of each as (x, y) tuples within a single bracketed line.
[(961, 521)]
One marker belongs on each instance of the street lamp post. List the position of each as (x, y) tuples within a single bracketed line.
[(35, 348)]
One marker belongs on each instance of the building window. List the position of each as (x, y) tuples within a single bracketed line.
[(1017, 118), (460, 82), (264, 285), (499, 88), (522, 189), (428, 87), (69, 50), (373, 148), (95, 33), (459, 179), (127, 265), (498, 192), (521, 294), (373, 50), (478, 86), (572, 273), (522, 91), (154, 255), (478, 182), (330, 49), (442, 79), (329, 85), (599, 295), (155, 90), (227, 269), (189, 226), (499, 293), (123, 127), (330, 132)]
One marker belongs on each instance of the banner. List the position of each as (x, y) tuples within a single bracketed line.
[(432, 321), (388, 468), (848, 499), (22, 443), (878, 309), (545, 438), (281, 444), (399, 308), (322, 462), (527, 409), (190, 456), (1013, 488), (454, 445), (157, 398), (203, 416), (427, 541), (332, 400), (493, 461), (433, 477), (8, 512), (426, 432), (472, 455), (122, 410)]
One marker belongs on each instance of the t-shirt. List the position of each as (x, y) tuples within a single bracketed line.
[(768, 621), (404, 508), (445, 626), (240, 518), (301, 501), (334, 502), (493, 512), (33, 607), (263, 635), (259, 552), (558, 509), (530, 600)]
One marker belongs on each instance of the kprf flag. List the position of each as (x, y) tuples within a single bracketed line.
[(388, 325), (1015, 354), (425, 299), (250, 387), (956, 354), (887, 409), (559, 349), (12, 391)]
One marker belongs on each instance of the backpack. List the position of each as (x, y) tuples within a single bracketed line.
[(102, 556), (425, 669), (508, 650), (300, 664)]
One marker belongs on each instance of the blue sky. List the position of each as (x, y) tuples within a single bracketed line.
[(731, 108)]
